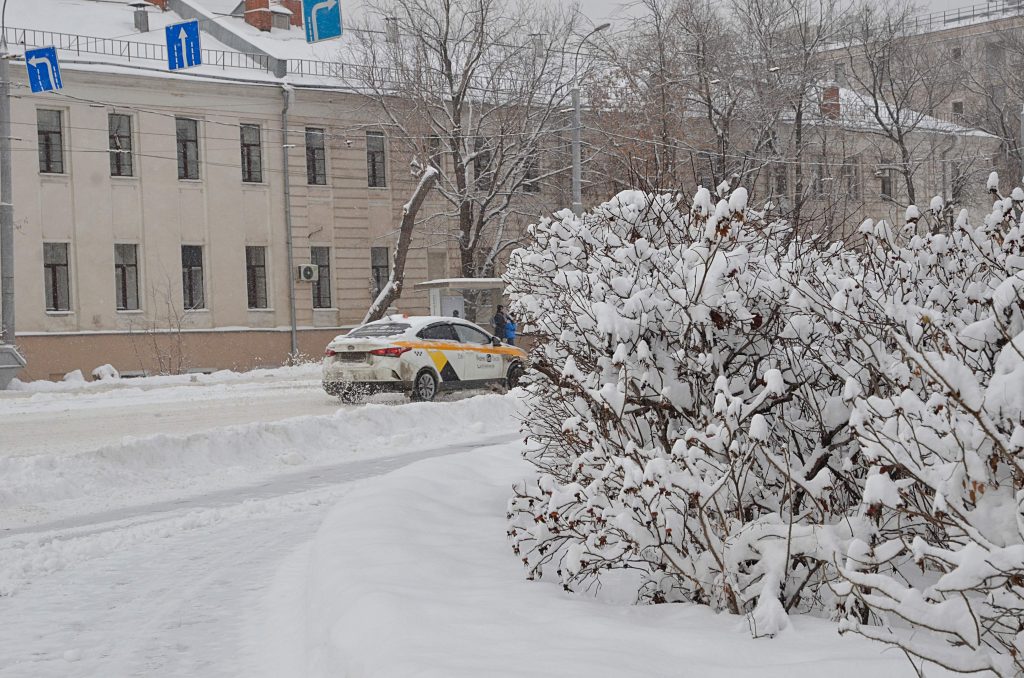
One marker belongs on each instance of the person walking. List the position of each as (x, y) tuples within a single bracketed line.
[(500, 321), (510, 330)]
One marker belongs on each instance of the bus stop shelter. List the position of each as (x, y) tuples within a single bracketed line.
[(448, 295)]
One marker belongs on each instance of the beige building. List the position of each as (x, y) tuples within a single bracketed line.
[(150, 207)]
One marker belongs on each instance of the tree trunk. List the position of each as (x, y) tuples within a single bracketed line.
[(393, 289)]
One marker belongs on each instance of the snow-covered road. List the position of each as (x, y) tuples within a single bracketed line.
[(147, 527), (160, 590), (92, 416)]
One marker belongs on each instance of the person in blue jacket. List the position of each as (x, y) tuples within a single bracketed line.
[(510, 329)]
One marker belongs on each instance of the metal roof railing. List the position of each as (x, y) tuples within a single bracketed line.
[(129, 49), (986, 11)]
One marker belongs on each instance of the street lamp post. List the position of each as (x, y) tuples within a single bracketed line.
[(577, 162)]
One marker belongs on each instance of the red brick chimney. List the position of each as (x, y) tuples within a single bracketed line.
[(830, 106), (295, 7), (257, 14), (162, 4)]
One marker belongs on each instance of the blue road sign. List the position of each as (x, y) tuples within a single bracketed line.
[(183, 49), (43, 69), (322, 19)]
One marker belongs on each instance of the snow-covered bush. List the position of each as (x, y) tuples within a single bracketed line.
[(686, 417), (943, 439), (766, 424)]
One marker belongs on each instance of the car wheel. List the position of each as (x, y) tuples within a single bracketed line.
[(515, 373), (425, 386), (333, 388)]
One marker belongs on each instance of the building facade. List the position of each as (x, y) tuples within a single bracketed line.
[(153, 210)]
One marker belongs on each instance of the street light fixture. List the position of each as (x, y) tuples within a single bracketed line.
[(577, 162)]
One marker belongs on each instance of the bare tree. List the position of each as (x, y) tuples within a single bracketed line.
[(903, 78), (475, 88)]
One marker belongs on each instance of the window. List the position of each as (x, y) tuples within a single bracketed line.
[(531, 175), (321, 256), (471, 335), (252, 154), (379, 329), (126, 277), (437, 265), (819, 179), (957, 53), (434, 153), (375, 158), (256, 276), (55, 270), (839, 72), (781, 181), (995, 54), (379, 267), (439, 332), (958, 111), (483, 173), (188, 147), (851, 178), (885, 183), (119, 128), (316, 157), (51, 141), (192, 276)]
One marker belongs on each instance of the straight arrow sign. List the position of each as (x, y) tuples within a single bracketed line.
[(183, 48)]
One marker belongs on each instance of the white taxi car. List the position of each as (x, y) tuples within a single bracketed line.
[(419, 356)]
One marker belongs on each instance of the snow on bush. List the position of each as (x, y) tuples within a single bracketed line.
[(767, 423), (687, 421), (943, 443)]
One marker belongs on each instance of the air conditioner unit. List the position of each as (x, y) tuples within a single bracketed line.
[(308, 273)]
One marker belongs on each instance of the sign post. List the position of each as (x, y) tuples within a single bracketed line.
[(322, 19)]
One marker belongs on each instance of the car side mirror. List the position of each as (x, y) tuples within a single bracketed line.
[(495, 341)]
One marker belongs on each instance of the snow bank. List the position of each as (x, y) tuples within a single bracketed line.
[(106, 381), (145, 470), (410, 576)]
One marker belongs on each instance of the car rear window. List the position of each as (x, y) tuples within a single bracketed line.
[(380, 330)]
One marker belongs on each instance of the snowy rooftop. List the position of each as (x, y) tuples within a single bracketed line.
[(101, 34)]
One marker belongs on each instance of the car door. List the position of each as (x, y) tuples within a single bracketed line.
[(482, 359), (443, 346)]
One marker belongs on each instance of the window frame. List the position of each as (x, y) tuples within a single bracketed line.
[(122, 272), (182, 150), (376, 160), (52, 278), (251, 153), (119, 157), (460, 326), (188, 288), (50, 162), (256, 296), (322, 285), (441, 325), (378, 284), (316, 157)]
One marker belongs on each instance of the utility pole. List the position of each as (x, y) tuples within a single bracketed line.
[(1020, 142), (6, 201), (11, 361), (577, 160)]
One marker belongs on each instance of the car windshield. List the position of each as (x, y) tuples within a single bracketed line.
[(379, 330)]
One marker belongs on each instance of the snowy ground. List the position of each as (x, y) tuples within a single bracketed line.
[(349, 541)]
